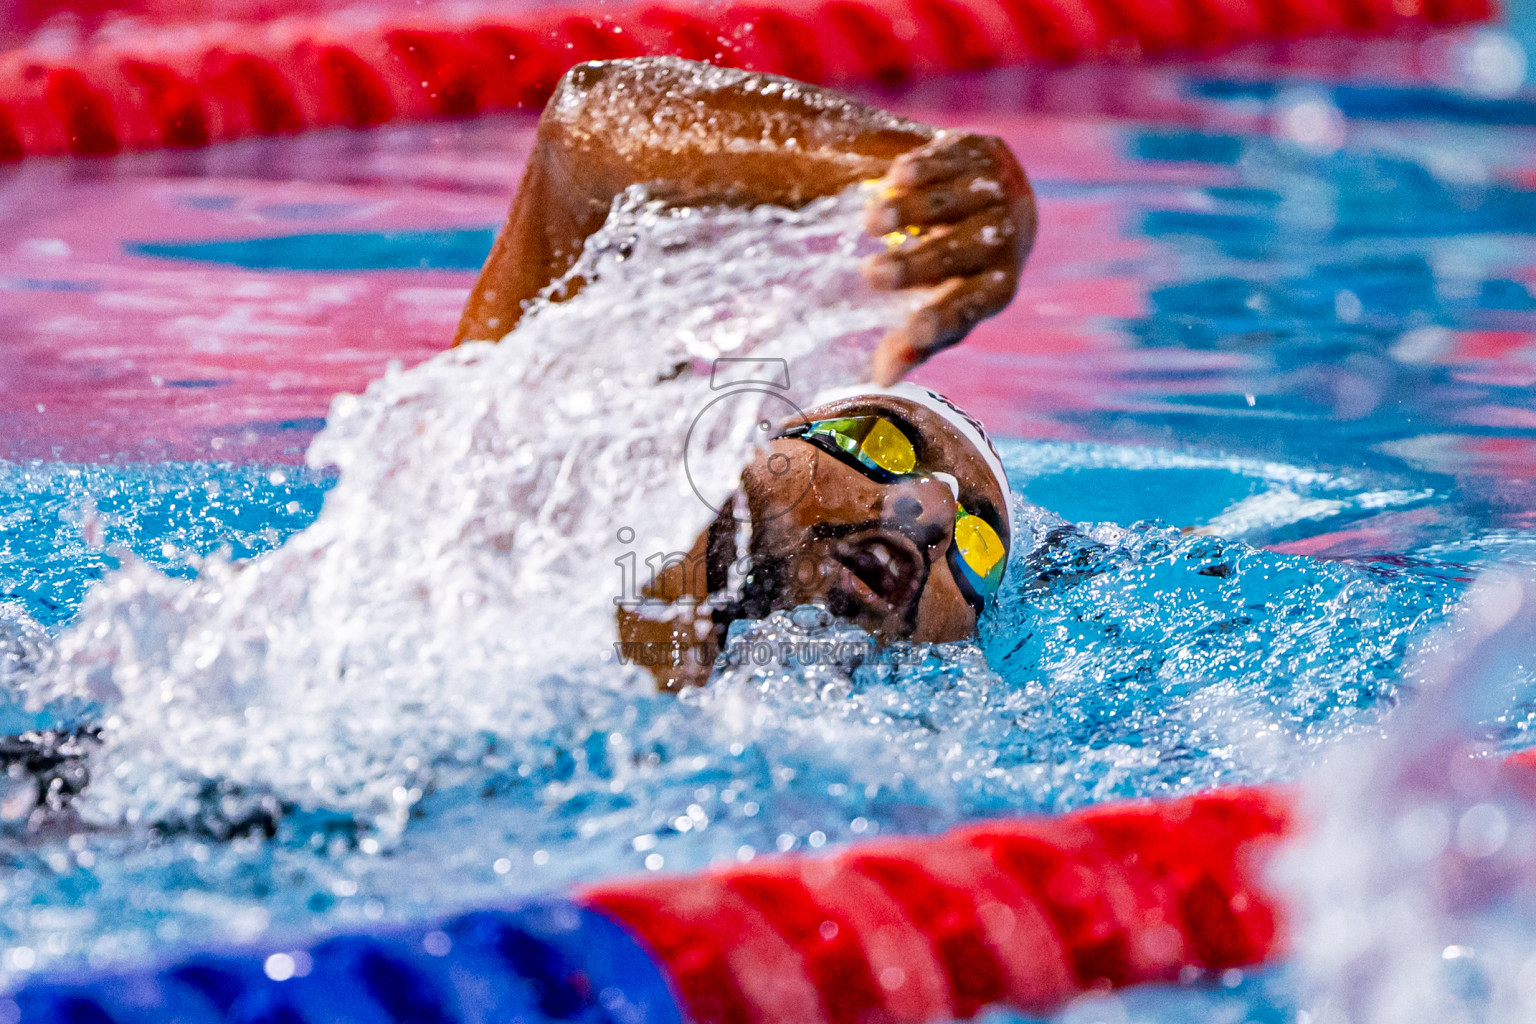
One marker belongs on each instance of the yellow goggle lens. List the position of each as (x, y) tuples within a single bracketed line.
[(875, 441), (981, 551), (890, 449)]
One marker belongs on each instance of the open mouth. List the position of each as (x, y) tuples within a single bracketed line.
[(884, 572)]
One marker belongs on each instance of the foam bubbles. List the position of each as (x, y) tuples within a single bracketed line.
[(463, 564), (25, 648)]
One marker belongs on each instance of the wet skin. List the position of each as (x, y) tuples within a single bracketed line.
[(875, 554), (696, 135)]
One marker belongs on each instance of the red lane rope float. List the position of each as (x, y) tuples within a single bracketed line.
[(189, 86), (1028, 913)]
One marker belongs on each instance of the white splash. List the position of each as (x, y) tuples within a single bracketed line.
[(1417, 883), (462, 572)]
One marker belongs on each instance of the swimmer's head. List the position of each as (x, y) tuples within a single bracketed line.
[(889, 507)]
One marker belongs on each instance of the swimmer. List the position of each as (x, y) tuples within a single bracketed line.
[(887, 505), (903, 525)]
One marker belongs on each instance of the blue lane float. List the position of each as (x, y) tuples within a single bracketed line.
[(541, 961)]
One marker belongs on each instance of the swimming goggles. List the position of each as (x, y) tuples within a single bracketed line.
[(883, 452)]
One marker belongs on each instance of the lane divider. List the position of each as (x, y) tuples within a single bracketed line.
[(1026, 913), (547, 960), (187, 86)]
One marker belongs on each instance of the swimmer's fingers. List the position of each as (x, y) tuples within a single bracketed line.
[(983, 241), (896, 208), (952, 154), (955, 307), (958, 215)]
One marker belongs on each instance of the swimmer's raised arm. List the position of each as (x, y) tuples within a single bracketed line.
[(698, 135)]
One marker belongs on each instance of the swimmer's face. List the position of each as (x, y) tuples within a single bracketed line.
[(875, 554)]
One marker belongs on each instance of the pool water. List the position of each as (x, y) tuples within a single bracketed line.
[(1291, 313)]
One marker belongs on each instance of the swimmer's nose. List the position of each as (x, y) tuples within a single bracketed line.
[(923, 510), (908, 509)]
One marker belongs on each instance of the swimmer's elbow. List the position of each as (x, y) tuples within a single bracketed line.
[(578, 82), (592, 80)]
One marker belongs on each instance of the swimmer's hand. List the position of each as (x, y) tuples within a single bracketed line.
[(958, 215)]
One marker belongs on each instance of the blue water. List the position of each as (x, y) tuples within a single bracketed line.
[(1290, 466), (463, 249), (66, 525)]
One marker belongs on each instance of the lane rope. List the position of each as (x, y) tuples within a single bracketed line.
[(188, 86), (1026, 913)]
